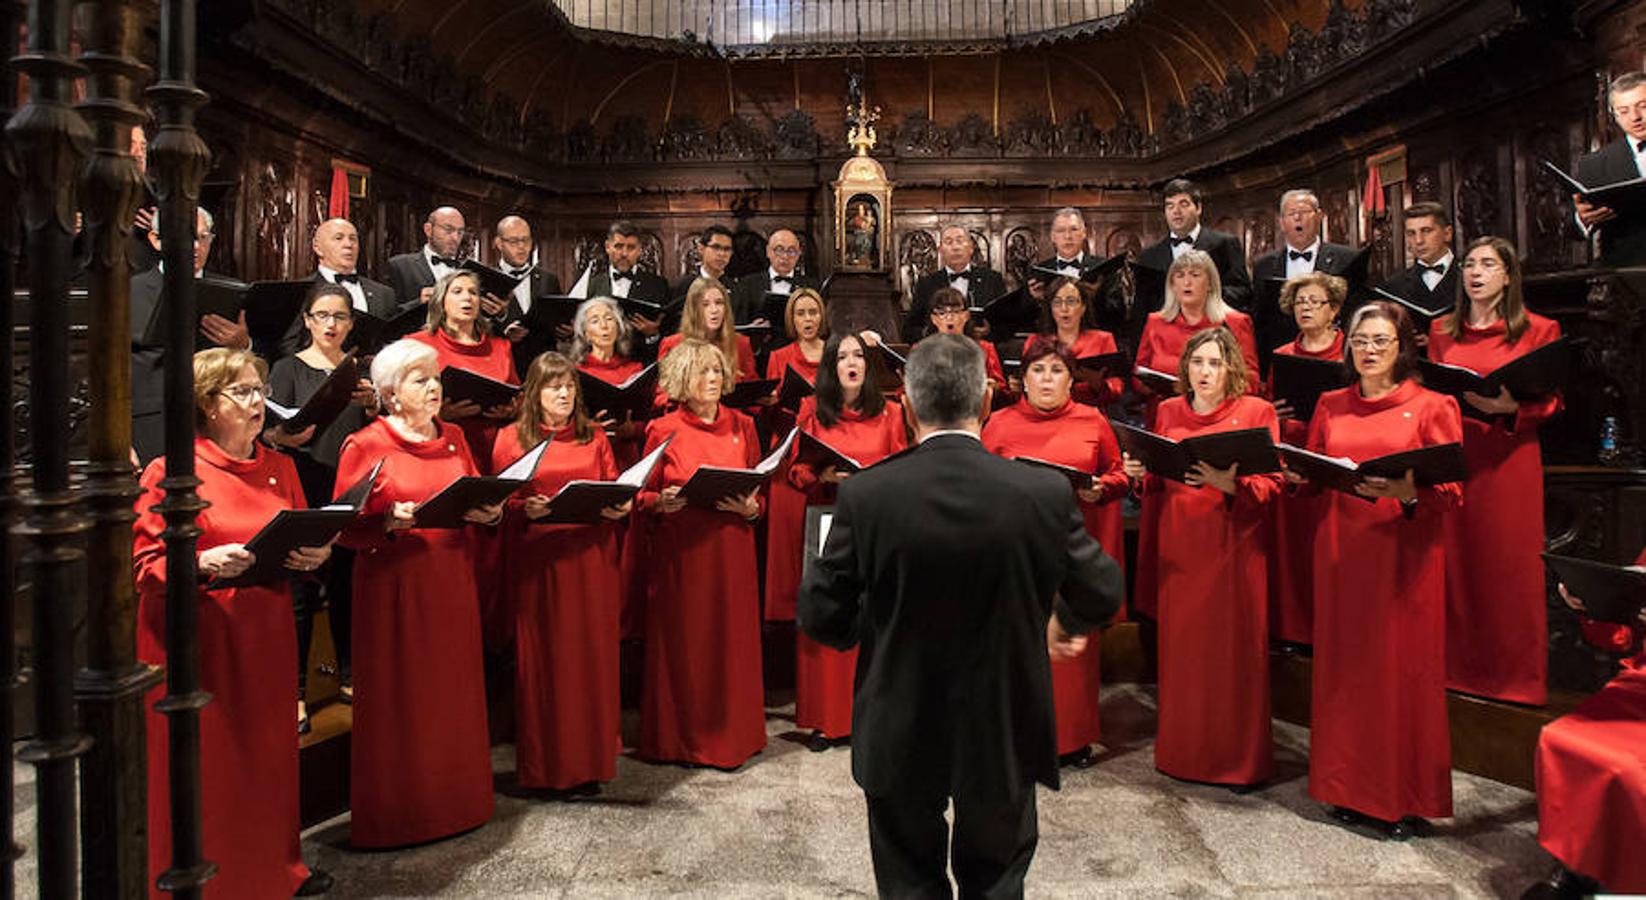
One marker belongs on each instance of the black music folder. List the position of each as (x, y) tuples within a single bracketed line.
[(1010, 313), (1079, 479), (582, 501), (749, 393), (461, 384), (372, 334), (1090, 274), (1300, 380), (754, 329), (291, 529), (324, 406), (270, 307), (772, 308), (550, 311), (1252, 448), (492, 281), (793, 389), (1437, 464), (1629, 194), (1106, 364), (1609, 593), (819, 454), (651, 309), (1539, 373), (1162, 383), (709, 484), (895, 356), (635, 395), (1422, 315), (446, 508), (213, 294)]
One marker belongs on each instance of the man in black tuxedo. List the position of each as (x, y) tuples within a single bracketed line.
[(980, 284), (336, 247), (412, 275), (715, 246), (1069, 257), (618, 277), (780, 277), (1431, 281), (148, 361), (1183, 205), (1622, 232), (531, 334), (954, 623), (1302, 251)]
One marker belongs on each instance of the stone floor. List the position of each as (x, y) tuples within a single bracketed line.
[(791, 824)]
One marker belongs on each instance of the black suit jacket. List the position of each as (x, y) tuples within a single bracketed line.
[(380, 302), (1622, 240), (540, 337), (1226, 253), (409, 274), (750, 292), (1273, 327), (644, 286), (954, 688), (1410, 285), (982, 285), (1110, 310), (678, 291)]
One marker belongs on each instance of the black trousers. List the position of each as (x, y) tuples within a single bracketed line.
[(994, 842)]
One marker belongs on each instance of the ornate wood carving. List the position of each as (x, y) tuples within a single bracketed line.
[(1022, 251), (1478, 206)]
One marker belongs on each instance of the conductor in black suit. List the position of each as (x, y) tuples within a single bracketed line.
[(1183, 206), (412, 275), (980, 284), (1302, 251), (955, 626), (1622, 232), (781, 276), (524, 322), (337, 258), (1431, 280)]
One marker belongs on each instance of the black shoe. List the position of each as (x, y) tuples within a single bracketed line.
[(1345, 815), (1564, 884), (1241, 790), (1398, 831), (1080, 759), (318, 882), (817, 743)]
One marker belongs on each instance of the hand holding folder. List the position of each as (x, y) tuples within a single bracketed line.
[(1252, 449), (294, 529), (324, 406), (449, 508), (1437, 464), (1608, 593), (710, 484), (585, 502)]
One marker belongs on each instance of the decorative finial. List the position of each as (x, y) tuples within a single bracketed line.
[(860, 120)]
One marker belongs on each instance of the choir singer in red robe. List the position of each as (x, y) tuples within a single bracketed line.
[(458, 334), (805, 320), (1313, 301), (850, 413), (1591, 775), (1047, 424), (703, 700), (1213, 578), (950, 315), (566, 588), (1379, 749), (1194, 302), (1066, 318), (420, 766), (248, 644), (707, 317), (1497, 632)]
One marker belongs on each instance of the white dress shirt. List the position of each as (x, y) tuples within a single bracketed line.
[(1295, 267), (440, 270), (1431, 277), (961, 284), (356, 292), (776, 288), (1180, 248)]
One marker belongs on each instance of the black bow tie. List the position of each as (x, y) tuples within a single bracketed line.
[(522, 273), (621, 276), (1186, 239), (959, 276), (1640, 146), (448, 262), (782, 279), (1067, 263), (1301, 254), (1437, 268), (350, 278)]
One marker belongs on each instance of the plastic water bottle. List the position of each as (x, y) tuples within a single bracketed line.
[(1608, 441)]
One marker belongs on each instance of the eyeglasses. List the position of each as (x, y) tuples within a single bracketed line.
[(330, 318), (948, 313), (244, 394), (1485, 264), (1309, 303), (718, 248), (516, 241), (786, 251), (1381, 342), (1066, 303)]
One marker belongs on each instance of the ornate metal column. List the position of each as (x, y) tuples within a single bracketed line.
[(113, 790), (10, 16), (179, 158), (47, 144)]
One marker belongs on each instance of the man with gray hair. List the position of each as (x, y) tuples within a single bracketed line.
[(956, 625), (955, 252), (1622, 231), (1302, 251)]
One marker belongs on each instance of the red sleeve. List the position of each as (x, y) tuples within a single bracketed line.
[(353, 462), (1533, 413), (148, 553), (1442, 424), (604, 457), (1146, 354), (746, 370), (1112, 482), (1241, 325), (647, 498), (801, 475), (774, 362), (1253, 492), (898, 436)]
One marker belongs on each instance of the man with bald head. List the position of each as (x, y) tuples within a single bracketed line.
[(336, 260), (980, 284), (527, 323), (412, 275), (781, 277)]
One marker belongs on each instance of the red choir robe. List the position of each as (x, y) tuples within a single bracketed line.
[(248, 662), (1160, 348), (823, 676), (786, 513), (1214, 635), (1591, 778), (703, 699), (1497, 633), (567, 594), (1092, 342), (634, 534), (1296, 519), (1379, 742), (421, 765), (1075, 435)]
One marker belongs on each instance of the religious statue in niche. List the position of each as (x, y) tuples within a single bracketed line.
[(862, 231)]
